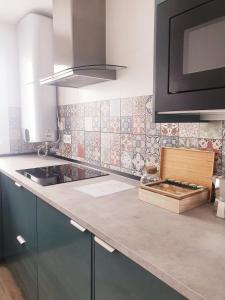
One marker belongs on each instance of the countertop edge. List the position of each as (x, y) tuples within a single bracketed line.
[(163, 276)]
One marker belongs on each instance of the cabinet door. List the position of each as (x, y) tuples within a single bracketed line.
[(118, 278), (1, 225), (64, 257), (19, 220)]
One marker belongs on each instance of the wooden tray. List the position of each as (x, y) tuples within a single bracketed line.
[(185, 165), (167, 189)]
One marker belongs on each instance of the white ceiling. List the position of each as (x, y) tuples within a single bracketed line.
[(11, 11)]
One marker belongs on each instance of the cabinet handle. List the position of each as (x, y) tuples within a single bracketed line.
[(18, 185), (78, 226), (21, 240), (104, 245)]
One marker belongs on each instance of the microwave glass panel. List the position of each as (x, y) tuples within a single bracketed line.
[(204, 47)]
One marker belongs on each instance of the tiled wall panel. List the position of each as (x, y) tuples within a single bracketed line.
[(119, 134)]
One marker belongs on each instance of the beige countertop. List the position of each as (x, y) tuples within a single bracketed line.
[(185, 251)]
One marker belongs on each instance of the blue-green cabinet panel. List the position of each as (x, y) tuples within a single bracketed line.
[(64, 257), (1, 223), (19, 219), (118, 278)]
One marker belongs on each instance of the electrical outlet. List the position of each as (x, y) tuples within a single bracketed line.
[(67, 139)]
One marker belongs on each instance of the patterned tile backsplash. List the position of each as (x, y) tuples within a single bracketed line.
[(17, 145), (119, 134)]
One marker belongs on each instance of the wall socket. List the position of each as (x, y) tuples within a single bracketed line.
[(67, 139)]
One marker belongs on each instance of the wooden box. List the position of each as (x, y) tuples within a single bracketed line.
[(184, 165)]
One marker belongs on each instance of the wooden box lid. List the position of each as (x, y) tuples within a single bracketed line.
[(189, 165)]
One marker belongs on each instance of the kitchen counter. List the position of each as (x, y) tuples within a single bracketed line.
[(185, 251)]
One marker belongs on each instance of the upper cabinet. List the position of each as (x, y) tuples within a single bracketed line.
[(190, 60)]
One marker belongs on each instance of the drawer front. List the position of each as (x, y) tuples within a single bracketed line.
[(118, 278), (64, 257), (19, 232)]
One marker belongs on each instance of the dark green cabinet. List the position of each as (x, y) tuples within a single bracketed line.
[(118, 278), (64, 257), (1, 225), (54, 258), (20, 235)]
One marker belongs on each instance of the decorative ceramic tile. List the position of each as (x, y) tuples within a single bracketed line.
[(105, 109), (105, 124), (126, 124), (218, 166), (152, 128), (169, 129), (15, 134), (153, 145), (96, 124), (149, 105), (68, 123), (77, 123), (92, 124), (14, 114), (138, 162), (170, 141), (67, 137), (92, 147), (223, 129), (189, 130), (153, 159), (68, 150), (140, 138), (188, 142), (67, 110), (79, 109), (115, 149), (115, 124), (138, 124), (105, 148), (115, 108), (126, 107), (126, 142), (223, 157), (78, 148), (211, 130), (211, 144), (92, 109), (139, 144), (139, 106), (126, 160), (15, 146), (77, 118), (216, 146)]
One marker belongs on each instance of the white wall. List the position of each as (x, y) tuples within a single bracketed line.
[(130, 42), (9, 88)]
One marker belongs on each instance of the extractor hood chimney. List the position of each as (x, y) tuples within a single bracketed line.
[(80, 44)]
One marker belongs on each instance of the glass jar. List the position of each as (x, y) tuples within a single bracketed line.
[(150, 174)]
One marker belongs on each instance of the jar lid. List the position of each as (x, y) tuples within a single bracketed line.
[(151, 169)]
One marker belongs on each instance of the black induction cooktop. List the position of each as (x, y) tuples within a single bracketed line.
[(60, 174)]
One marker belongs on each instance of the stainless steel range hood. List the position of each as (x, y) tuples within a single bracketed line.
[(80, 44)]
